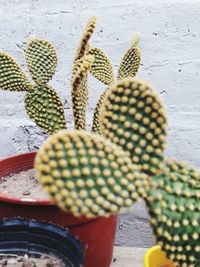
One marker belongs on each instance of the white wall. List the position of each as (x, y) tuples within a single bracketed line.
[(170, 62)]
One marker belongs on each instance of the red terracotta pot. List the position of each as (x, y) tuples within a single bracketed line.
[(96, 234)]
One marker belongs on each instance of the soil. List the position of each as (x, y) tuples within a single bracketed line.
[(22, 185), (26, 261)]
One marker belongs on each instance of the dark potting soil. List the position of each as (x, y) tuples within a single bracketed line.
[(22, 185), (25, 261)]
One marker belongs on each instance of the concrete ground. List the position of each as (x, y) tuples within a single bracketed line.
[(128, 257)]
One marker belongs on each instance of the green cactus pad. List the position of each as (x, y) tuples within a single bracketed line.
[(134, 118), (80, 93), (45, 108), (12, 77), (101, 68), (87, 175), (174, 206), (41, 59), (83, 45), (96, 118), (131, 60)]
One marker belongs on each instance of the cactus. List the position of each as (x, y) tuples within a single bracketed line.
[(103, 71), (80, 93), (84, 42), (131, 60), (174, 206), (42, 103), (96, 117), (101, 68), (12, 77), (41, 60), (128, 68), (134, 118), (88, 175), (45, 108), (79, 85)]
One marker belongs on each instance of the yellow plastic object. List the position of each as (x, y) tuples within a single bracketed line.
[(155, 257)]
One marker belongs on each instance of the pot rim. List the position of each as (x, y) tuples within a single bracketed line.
[(26, 159), (23, 200), (35, 237)]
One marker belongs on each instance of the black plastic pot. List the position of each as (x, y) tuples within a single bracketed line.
[(35, 238)]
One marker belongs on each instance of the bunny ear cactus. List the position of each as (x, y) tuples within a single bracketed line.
[(42, 103), (87, 175), (45, 108), (12, 77), (133, 117), (101, 68), (131, 60), (96, 117), (80, 93), (79, 85), (174, 206), (84, 42), (128, 68), (41, 60)]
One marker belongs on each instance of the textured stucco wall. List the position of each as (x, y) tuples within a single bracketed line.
[(170, 62)]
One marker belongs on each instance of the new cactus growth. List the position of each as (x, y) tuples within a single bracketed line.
[(96, 118), (174, 207), (80, 93), (134, 118), (79, 86), (84, 42), (128, 68), (102, 67), (130, 62), (88, 175), (42, 103), (102, 70)]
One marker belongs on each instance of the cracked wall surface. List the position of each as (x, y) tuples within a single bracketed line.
[(170, 62)]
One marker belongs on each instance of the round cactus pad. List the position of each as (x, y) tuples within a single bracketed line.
[(87, 174)]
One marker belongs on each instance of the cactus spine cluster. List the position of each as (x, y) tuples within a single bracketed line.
[(42, 103), (174, 207), (128, 68), (87, 175)]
